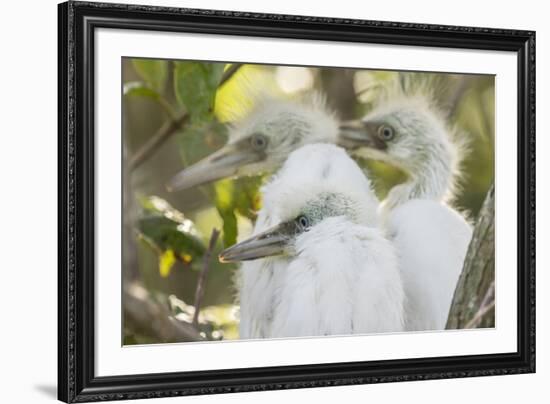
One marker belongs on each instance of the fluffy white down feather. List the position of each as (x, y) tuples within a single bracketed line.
[(431, 240), (344, 281), (430, 237), (343, 277)]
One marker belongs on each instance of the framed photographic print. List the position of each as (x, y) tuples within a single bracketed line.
[(252, 202)]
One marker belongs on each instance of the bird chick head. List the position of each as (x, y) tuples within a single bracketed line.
[(262, 140), (317, 182), (406, 132)]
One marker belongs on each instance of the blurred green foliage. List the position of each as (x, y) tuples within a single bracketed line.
[(195, 86), (237, 196), (137, 88), (153, 72), (169, 233), (215, 322), (173, 229)]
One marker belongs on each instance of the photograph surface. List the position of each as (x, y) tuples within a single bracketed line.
[(266, 201)]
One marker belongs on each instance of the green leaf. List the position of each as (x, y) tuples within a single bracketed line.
[(247, 196), (237, 196), (140, 89), (198, 140), (153, 72), (226, 208), (195, 87), (230, 229), (169, 233), (166, 261)]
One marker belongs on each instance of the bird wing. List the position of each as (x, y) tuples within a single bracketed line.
[(431, 240)]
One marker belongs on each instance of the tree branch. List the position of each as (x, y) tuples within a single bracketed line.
[(338, 86), (153, 319), (171, 126), (471, 305), (199, 293), (487, 305), (227, 74), (165, 131)]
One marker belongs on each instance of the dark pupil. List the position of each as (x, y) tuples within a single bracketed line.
[(387, 132), (303, 222), (259, 142)]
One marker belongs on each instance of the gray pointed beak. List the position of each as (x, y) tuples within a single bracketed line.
[(357, 134), (276, 241), (222, 164)]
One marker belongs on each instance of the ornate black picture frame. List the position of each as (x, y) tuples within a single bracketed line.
[(76, 355)]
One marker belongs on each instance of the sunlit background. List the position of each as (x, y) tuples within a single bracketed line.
[(166, 235)]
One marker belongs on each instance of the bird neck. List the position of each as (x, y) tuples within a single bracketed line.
[(432, 178)]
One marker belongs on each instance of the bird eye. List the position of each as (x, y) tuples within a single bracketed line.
[(385, 132), (302, 222), (258, 142)]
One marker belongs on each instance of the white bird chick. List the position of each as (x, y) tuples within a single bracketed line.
[(408, 131), (261, 141), (318, 264)]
